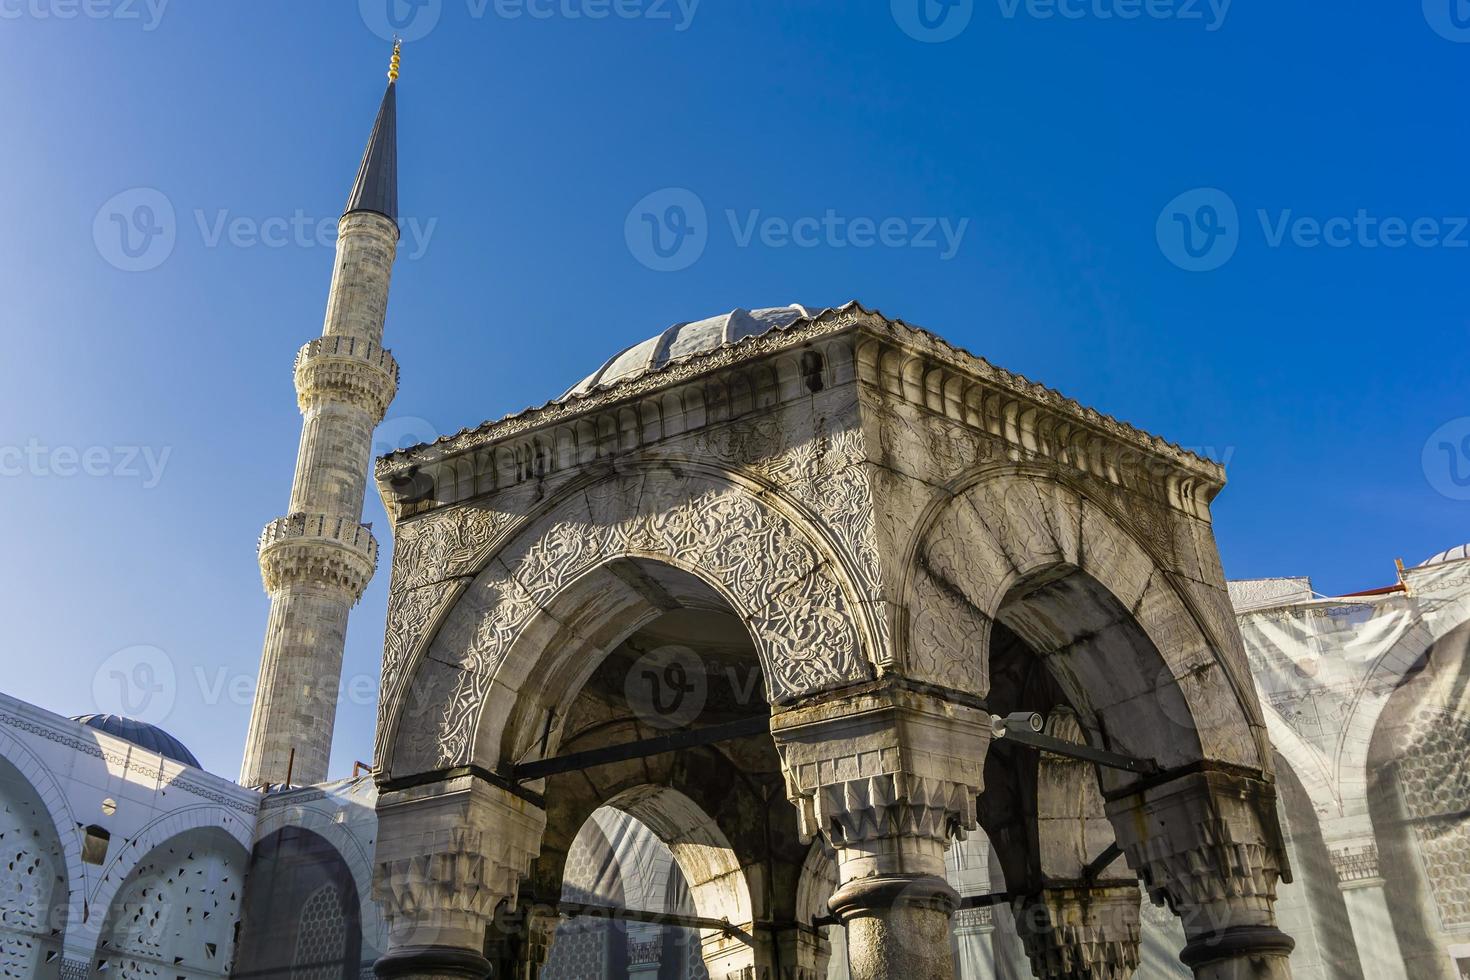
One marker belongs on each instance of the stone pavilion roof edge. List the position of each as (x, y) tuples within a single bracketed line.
[(839, 318)]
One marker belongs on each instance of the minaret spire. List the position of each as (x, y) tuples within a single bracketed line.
[(317, 560), (376, 187)]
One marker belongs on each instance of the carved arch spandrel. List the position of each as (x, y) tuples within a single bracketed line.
[(777, 571), (1005, 524)]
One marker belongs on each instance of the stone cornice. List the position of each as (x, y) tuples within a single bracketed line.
[(1069, 421), (125, 757)]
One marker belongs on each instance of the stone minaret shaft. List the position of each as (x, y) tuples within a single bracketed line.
[(317, 560)]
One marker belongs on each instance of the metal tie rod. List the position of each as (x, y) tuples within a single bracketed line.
[(1025, 727), (575, 909), (658, 745)]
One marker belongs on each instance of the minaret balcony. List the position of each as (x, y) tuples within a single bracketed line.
[(346, 370), (318, 550)]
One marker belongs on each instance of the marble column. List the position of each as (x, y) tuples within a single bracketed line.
[(450, 856), (1356, 865), (889, 777), (1209, 845)]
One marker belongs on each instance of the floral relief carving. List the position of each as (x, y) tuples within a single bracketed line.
[(788, 591)]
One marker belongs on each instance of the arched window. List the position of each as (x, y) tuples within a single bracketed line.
[(321, 942)]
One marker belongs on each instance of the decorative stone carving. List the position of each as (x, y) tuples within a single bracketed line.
[(889, 776), (1209, 845), (776, 574), (346, 371), (448, 854), (1081, 933), (318, 549)]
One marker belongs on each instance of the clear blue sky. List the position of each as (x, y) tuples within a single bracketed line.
[(1057, 143)]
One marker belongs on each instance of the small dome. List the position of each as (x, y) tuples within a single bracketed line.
[(1454, 554), (143, 735), (686, 339)]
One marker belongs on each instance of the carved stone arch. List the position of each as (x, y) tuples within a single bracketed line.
[(34, 875), (306, 911), (743, 540), (1309, 765), (324, 823), (818, 882), (173, 904), (34, 772), (168, 827), (1386, 676), (718, 881), (1014, 541)]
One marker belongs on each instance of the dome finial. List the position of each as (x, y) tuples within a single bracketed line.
[(397, 60)]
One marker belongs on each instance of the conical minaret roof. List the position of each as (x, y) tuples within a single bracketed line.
[(376, 187)]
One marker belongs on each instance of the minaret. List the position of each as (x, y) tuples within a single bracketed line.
[(317, 560)]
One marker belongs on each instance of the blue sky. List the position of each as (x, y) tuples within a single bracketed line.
[(1310, 330)]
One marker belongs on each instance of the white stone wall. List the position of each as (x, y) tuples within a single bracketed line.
[(149, 806)]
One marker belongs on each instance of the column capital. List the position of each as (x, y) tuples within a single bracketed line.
[(888, 775), (1081, 933), (1209, 845), (448, 855)]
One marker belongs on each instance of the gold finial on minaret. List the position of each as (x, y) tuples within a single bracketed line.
[(397, 61)]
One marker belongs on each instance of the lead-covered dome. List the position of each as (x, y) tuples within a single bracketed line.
[(1454, 554), (686, 339), (143, 735)]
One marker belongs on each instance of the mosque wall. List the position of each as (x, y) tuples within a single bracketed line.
[(128, 864)]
